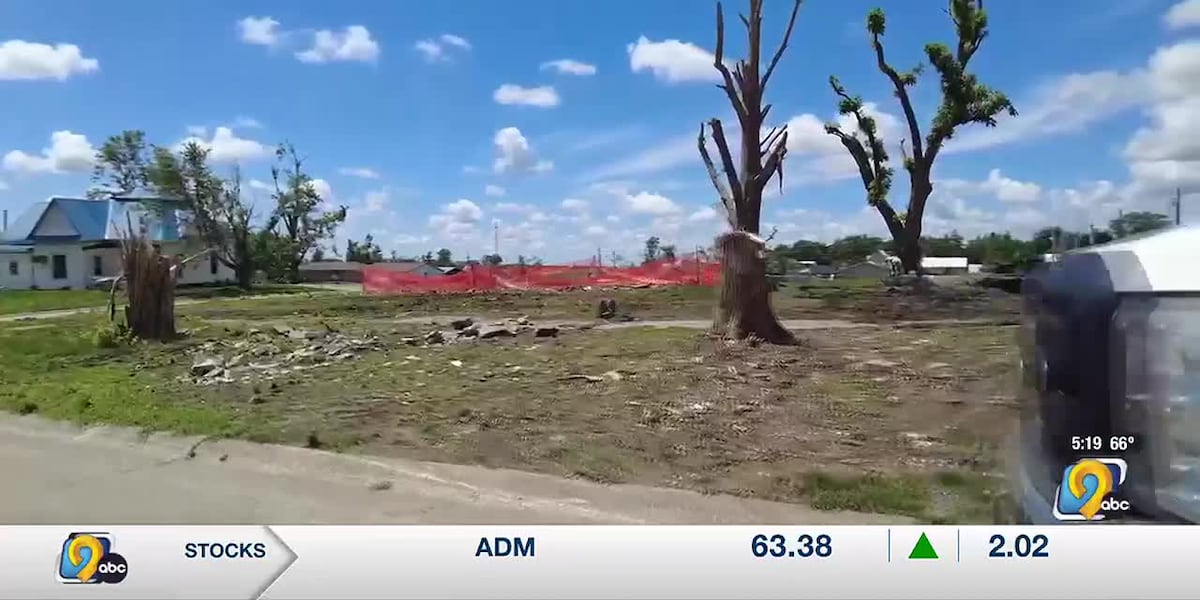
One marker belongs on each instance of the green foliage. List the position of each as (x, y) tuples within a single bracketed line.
[(366, 251), (652, 250), (668, 252), (854, 248), (120, 165), (492, 259), (964, 100), (297, 217), (948, 245), (1133, 223), (110, 335), (273, 256), (445, 258)]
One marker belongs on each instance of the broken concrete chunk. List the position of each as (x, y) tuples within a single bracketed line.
[(546, 331), (205, 365), (495, 332), (461, 324)]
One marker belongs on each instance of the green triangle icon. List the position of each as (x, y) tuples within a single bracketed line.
[(923, 549)]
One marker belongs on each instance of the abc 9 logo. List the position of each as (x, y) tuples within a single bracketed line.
[(112, 568)]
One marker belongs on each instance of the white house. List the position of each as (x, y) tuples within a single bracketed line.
[(69, 243)]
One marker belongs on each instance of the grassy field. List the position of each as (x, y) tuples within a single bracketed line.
[(26, 301), (863, 301), (884, 420)]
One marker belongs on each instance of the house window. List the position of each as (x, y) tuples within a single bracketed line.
[(212, 264), (59, 266), (13, 269), (97, 265)]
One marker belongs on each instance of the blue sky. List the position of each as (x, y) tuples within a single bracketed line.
[(573, 124)]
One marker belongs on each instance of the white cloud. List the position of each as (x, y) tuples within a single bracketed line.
[(672, 61), (3, 185), (69, 152), (1066, 105), (675, 152), (258, 184), (1165, 153), (354, 43), (567, 66), (457, 220), (705, 213), (324, 190), (247, 122), (406, 239), (375, 201), (437, 50), (1183, 15), (515, 155), (575, 205), (262, 31), (21, 60), (493, 190), (513, 207), (595, 231), (647, 203), (471, 170), (542, 96), (463, 211), (360, 172), (1004, 189), (454, 40), (226, 147)]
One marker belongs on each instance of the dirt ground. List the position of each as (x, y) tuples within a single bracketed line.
[(906, 420)]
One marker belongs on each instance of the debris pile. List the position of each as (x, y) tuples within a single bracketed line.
[(468, 330), (265, 356)]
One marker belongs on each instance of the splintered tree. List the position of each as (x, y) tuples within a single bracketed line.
[(964, 101), (214, 208), (149, 275), (298, 221), (744, 308)]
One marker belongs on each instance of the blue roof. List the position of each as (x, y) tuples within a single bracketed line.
[(22, 228), (94, 220)]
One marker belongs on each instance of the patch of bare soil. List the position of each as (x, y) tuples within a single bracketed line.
[(664, 407)]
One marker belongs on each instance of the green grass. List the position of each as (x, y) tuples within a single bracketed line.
[(23, 301), (872, 493), (59, 373), (27, 301)]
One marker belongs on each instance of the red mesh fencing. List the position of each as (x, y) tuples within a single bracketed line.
[(692, 270)]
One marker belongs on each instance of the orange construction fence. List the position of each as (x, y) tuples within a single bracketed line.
[(377, 279)]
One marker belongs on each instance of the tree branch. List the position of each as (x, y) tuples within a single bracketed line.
[(726, 197), (774, 162), (855, 147), (910, 115), (782, 46), (727, 165), (719, 62)]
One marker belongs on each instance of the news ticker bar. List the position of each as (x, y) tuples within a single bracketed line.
[(783, 561)]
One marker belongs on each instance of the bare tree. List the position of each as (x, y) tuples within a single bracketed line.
[(744, 308), (964, 101)]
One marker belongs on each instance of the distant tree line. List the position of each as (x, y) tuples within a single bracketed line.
[(996, 251)]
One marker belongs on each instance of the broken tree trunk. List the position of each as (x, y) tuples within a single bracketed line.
[(150, 287), (744, 308)]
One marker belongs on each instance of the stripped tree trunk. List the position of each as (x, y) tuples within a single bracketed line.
[(744, 308), (150, 285)]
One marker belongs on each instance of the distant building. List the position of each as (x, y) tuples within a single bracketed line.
[(865, 270), (336, 271), (944, 265)]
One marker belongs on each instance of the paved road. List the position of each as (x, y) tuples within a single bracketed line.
[(57, 473)]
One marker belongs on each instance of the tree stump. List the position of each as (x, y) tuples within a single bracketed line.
[(150, 286), (607, 308), (744, 308)]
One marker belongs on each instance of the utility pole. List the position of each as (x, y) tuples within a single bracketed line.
[(1178, 206), (496, 238)]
